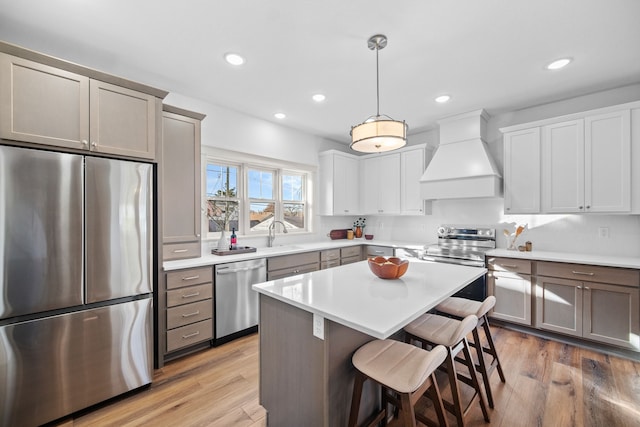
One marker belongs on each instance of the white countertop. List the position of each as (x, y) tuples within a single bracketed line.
[(210, 259), (353, 296), (605, 260)]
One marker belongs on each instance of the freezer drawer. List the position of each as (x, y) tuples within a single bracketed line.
[(55, 366)]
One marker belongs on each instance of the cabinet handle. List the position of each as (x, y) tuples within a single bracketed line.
[(94, 144), (579, 287), (195, 294), (197, 235), (508, 209), (583, 273), (580, 207), (509, 265), (588, 207), (179, 251), (586, 288), (195, 313), (184, 337), (85, 142), (191, 277)]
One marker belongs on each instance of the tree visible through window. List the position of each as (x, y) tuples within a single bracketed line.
[(223, 205)]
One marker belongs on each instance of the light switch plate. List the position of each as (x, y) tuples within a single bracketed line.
[(318, 326)]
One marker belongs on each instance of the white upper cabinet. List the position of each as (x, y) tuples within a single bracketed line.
[(563, 167), (339, 183), (607, 151), (522, 171), (412, 165), (586, 163), (381, 184)]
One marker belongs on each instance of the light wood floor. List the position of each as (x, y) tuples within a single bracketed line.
[(548, 384)]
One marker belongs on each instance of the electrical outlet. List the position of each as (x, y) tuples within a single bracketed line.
[(603, 232), (318, 326)]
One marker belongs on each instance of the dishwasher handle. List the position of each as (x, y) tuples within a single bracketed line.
[(229, 270)]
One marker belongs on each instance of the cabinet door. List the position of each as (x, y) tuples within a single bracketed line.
[(513, 297), (411, 167), (389, 184), (559, 305), (123, 121), (563, 167), (522, 171), (611, 315), (43, 104), (180, 178), (369, 185), (608, 162), (345, 185)]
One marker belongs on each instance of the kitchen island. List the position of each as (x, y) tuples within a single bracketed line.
[(311, 324)]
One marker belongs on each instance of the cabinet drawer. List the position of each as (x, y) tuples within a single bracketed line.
[(509, 264), (285, 261), (590, 273), (330, 254), (379, 251), (350, 260), (351, 251), (189, 313), (329, 264), (190, 334), (181, 251), (189, 294), (192, 276), (292, 271)]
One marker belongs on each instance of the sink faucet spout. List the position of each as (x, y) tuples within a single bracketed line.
[(272, 233)]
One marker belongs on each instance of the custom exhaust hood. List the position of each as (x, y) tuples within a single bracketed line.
[(461, 167)]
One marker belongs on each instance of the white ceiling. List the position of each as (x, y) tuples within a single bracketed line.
[(485, 53)]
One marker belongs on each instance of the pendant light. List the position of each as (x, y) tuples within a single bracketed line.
[(380, 132)]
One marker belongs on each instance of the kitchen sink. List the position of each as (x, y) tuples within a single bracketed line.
[(280, 248)]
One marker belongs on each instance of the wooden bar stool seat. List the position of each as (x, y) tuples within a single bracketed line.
[(462, 307), (405, 373), (431, 330)]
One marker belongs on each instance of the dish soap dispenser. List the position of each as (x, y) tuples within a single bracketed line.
[(234, 240)]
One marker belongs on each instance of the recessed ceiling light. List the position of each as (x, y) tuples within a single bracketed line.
[(318, 97), (233, 58), (280, 116), (559, 63), (443, 98)]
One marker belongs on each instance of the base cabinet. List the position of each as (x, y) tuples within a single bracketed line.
[(290, 265), (588, 308), (509, 280)]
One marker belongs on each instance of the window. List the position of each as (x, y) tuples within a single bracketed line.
[(223, 197), (249, 197)]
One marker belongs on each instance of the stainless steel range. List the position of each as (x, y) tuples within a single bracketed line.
[(463, 245)]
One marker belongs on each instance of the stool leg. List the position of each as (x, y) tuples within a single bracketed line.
[(474, 378), (492, 347), (483, 367), (355, 399), (453, 383), (436, 398), (407, 411)]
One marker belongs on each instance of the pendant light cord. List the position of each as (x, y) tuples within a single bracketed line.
[(377, 83)]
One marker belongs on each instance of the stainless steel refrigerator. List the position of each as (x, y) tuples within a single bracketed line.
[(76, 255)]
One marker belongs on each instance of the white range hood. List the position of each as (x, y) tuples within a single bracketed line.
[(461, 167)]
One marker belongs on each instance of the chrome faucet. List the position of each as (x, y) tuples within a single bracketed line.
[(273, 236)]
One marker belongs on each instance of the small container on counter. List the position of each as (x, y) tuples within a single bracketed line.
[(528, 246), (350, 234)]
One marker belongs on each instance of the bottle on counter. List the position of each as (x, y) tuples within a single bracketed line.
[(234, 240)]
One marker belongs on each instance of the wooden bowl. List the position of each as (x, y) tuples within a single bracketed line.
[(388, 268)]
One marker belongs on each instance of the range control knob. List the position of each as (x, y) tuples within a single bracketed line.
[(443, 231)]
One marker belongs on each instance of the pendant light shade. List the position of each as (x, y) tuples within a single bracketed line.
[(378, 133)]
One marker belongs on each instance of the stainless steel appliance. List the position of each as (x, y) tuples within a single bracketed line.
[(236, 303), (76, 255), (464, 245)]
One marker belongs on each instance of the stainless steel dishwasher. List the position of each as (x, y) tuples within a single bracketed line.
[(236, 303)]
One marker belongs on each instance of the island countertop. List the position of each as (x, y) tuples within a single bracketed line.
[(354, 297)]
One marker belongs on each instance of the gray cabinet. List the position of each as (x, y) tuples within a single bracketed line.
[(509, 280), (180, 174), (350, 255), (189, 307), (46, 105), (329, 258), (593, 302), (290, 265)]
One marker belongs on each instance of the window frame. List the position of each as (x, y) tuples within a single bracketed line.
[(244, 162)]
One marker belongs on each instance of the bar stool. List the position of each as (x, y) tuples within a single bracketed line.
[(405, 373), (431, 330), (462, 307)]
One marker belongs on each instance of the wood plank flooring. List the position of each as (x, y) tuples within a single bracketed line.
[(548, 384)]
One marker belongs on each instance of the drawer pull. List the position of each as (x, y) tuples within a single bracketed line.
[(583, 273), (195, 294), (179, 251), (184, 337), (509, 265), (191, 314), (191, 277)]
